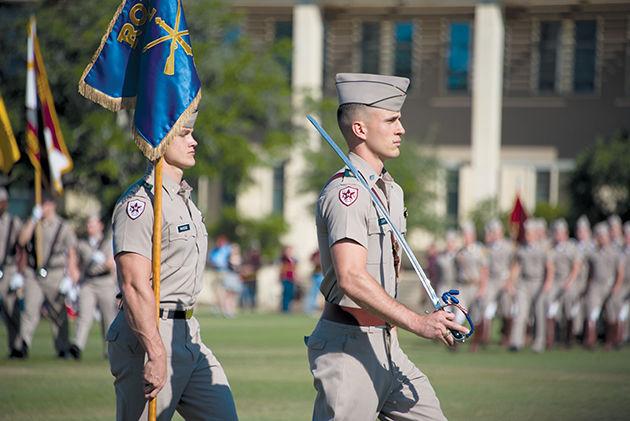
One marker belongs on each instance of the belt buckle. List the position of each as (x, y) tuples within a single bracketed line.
[(42, 272)]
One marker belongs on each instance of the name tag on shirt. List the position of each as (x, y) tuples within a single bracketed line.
[(183, 228)]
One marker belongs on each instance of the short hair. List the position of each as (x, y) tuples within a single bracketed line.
[(346, 114)]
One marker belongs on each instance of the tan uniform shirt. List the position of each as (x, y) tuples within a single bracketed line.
[(448, 271), (469, 262), (86, 250), (184, 236), (500, 254), (532, 260), (564, 257), (345, 211), (55, 246), (9, 231), (603, 264)]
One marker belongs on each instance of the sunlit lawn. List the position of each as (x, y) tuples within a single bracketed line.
[(265, 359)]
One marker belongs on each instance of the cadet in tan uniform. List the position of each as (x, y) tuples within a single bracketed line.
[(50, 283), (604, 267), (446, 262), (11, 281), (574, 302), (500, 252), (531, 271), (170, 362), (618, 306), (472, 279), (360, 373), (97, 283), (567, 263)]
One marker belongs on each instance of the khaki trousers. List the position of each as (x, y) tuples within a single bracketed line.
[(615, 304), (528, 301), (9, 306), (361, 374), (98, 292), (596, 297), (196, 386), (39, 291)]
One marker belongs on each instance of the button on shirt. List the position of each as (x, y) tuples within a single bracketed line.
[(184, 236), (345, 211)]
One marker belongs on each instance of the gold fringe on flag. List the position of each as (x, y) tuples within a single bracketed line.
[(154, 153), (111, 103)]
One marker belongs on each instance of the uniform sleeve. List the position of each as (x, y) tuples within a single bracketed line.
[(133, 235), (345, 216), (69, 238)]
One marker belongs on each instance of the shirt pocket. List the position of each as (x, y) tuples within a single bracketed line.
[(181, 243), (379, 241)]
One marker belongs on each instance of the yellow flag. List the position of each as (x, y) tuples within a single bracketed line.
[(9, 152)]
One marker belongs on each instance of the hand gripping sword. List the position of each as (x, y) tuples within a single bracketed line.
[(448, 297)]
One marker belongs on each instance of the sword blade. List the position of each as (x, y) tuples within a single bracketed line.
[(383, 213)]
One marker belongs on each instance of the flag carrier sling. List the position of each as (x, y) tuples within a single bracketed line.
[(448, 297)]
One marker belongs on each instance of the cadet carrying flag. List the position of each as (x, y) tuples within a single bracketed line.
[(145, 61), (9, 152), (44, 140)]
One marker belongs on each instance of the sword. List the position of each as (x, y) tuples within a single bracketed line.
[(449, 296)]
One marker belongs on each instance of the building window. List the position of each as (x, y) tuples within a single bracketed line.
[(278, 190), (452, 196), (370, 47), (283, 50), (458, 57), (543, 186), (548, 49), (585, 56), (403, 53)]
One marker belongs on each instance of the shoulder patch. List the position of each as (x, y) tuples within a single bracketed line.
[(348, 195), (135, 208)]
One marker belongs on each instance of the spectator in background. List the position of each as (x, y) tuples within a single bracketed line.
[(232, 284), (249, 276), (433, 269), (218, 259), (316, 281), (287, 277)]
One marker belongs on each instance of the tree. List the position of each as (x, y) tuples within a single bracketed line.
[(415, 170), (244, 113), (600, 184)]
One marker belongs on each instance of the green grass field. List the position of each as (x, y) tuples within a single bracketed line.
[(265, 359)]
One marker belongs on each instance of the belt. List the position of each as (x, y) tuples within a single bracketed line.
[(175, 314), (350, 316)]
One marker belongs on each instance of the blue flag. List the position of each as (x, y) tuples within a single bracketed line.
[(145, 61)]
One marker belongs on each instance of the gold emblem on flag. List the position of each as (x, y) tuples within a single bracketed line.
[(175, 37)]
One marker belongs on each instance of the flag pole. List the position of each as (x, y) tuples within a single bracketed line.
[(156, 255), (38, 224)]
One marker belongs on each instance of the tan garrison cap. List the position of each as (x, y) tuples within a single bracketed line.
[(560, 225), (190, 123), (387, 92), (601, 228)]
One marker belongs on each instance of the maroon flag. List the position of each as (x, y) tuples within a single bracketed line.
[(518, 216)]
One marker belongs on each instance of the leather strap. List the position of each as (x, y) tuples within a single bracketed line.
[(350, 316)]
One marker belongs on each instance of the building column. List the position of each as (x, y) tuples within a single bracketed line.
[(308, 68), (487, 96)]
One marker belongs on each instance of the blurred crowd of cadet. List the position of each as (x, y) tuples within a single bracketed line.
[(544, 290)]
